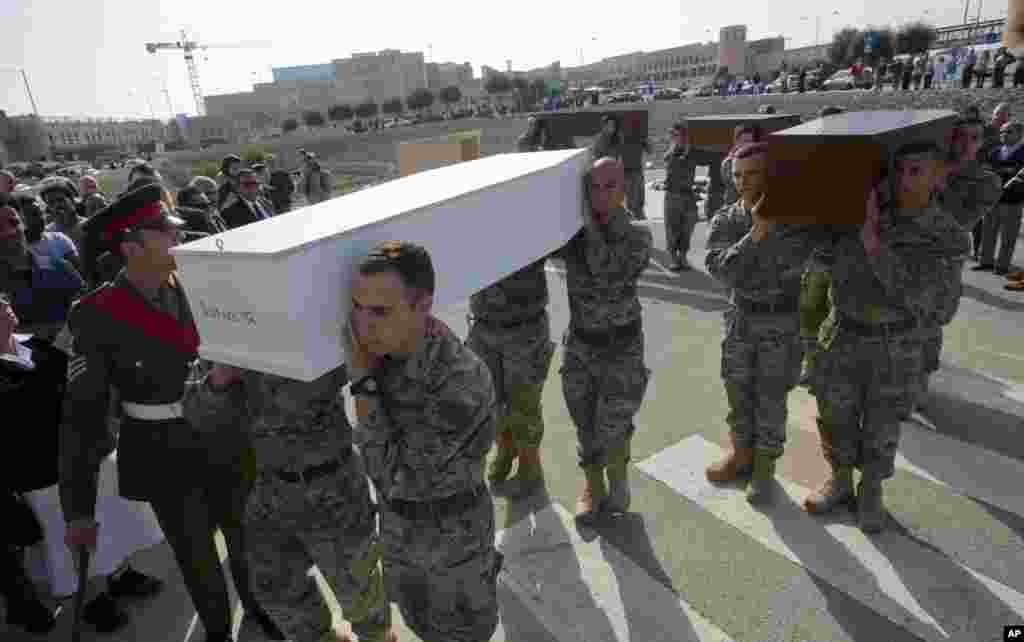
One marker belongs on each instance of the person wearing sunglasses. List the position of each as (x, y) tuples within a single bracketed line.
[(250, 206)]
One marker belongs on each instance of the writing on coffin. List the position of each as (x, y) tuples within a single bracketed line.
[(216, 313)]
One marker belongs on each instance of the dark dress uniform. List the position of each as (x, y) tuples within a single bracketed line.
[(143, 346)]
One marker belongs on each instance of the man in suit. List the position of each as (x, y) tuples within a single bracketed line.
[(251, 207), (1004, 220)]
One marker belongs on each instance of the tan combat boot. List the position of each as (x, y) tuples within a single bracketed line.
[(588, 506), (762, 480), (529, 475), (618, 481), (837, 489), (738, 463), (870, 509), (501, 465)]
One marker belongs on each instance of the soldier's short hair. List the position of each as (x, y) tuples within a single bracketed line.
[(411, 262), (929, 150), (751, 149), (680, 126)]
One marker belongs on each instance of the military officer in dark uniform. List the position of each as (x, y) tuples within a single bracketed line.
[(137, 335)]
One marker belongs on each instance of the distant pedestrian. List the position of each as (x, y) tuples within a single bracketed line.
[(969, 60), (981, 70)]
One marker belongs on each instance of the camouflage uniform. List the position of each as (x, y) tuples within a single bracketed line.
[(603, 374), (761, 348), (969, 195), (815, 303), (731, 195), (310, 503), (716, 186), (871, 360), (424, 441), (511, 332), (680, 202)]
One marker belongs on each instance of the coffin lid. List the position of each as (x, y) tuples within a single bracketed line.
[(878, 125), (719, 120), (290, 232)]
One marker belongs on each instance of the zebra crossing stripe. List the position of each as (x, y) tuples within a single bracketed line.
[(591, 592), (914, 586)]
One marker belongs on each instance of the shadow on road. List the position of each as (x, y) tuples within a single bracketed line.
[(993, 300)]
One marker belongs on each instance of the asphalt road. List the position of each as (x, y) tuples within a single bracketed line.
[(696, 563)]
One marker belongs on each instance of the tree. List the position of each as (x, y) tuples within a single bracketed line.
[(843, 46), (884, 47), (289, 125), (498, 84), (450, 95), (313, 118), (392, 106), (340, 112), (420, 99), (915, 38), (367, 109)]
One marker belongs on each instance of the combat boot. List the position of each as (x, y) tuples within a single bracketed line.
[(837, 489), (762, 480), (529, 475), (738, 463), (870, 509), (501, 465), (588, 506), (618, 481)]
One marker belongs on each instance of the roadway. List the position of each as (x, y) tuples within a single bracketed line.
[(696, 563)]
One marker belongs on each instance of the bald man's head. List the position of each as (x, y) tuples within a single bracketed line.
[(607, 180)]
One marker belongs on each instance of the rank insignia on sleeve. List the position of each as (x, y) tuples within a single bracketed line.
[(76, 368)]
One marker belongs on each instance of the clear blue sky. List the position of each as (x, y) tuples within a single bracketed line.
[(88, 58)]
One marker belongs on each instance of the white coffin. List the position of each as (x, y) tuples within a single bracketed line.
[(274, 297)]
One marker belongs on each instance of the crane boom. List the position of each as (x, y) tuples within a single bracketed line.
[(188, 46)]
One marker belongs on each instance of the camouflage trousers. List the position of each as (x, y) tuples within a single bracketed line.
[(603, 390), (866, 387), (931, 352), (814, 301), (761, 359), (443, 572), (680, 219), (519, 359), (328, 521), (636, 192)]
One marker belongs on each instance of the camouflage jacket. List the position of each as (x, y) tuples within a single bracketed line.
[(914, 276), (427, 434), (679, 171), (605, 145), (602, 269), (765, 271), (970, 194), (518, 297)]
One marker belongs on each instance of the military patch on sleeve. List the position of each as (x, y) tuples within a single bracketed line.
[(76, 368)]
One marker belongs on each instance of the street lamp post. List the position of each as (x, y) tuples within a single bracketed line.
[(28, 90), (817, 26)]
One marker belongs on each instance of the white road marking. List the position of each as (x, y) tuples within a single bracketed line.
[(888, 573), (591, 592)]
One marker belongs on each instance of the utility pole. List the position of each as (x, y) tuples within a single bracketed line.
[(28, 90), (967, 7)]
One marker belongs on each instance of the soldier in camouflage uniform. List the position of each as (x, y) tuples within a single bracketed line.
[(814, 297), (899, 267), (427, 417), (511, 332), (761, 350), (970, 192), (309, 502), (744, 135), (680, 200), (603, 375)]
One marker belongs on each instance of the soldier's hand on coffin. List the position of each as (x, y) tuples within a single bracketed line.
[(869, 234), (222, 375), (82, 532), (762, 226), (436, 327)]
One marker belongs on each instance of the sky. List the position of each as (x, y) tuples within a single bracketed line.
[(89, 58)]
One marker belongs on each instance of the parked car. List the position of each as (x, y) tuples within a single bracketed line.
[(842, 79), (777, 86), (668, 93)]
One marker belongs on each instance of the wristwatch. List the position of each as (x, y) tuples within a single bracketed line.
[(367, 386)]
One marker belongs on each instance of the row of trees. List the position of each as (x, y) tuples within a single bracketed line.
[(416, 101), (848, 44)]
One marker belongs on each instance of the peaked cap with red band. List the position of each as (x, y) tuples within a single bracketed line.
[(136, 209)]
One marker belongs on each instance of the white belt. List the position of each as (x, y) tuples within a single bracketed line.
[(153, 412)]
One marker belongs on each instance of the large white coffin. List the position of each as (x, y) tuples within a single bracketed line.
[(273, 296)]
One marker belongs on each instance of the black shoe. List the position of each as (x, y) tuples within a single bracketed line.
[(1002, 271), (984, 267), (104, 614), (132, 583), (270, 628), (33, 616)]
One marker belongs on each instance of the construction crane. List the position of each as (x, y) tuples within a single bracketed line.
[(189, 46)]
